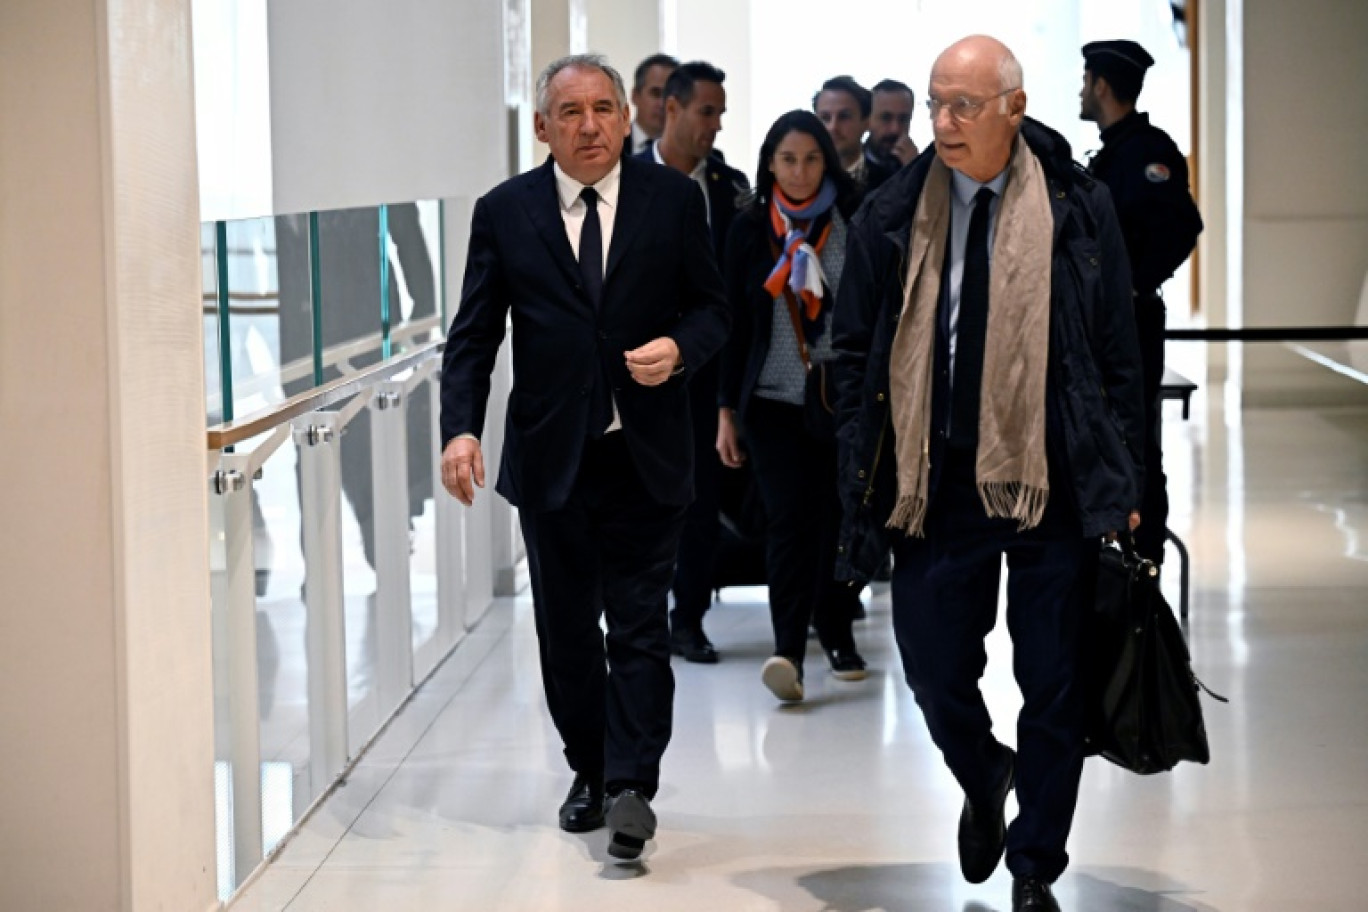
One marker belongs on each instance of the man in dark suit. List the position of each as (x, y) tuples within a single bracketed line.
[(694, 104), (612, 311)]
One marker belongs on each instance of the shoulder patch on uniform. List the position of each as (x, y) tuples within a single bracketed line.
[(1157, 173)]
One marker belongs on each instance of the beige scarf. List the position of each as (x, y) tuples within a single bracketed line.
[(1010, 466)]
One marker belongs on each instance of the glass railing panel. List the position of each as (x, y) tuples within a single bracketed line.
[(282, 657), (414, 264), (295, 325), (254, 314), (213, 377), (422, 463), (349, 286)]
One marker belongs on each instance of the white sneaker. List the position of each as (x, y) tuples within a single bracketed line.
[(783, 678)]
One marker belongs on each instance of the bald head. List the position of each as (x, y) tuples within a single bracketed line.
[(976, 88)]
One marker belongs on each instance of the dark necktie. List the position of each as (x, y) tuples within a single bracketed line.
[(972, 328), (591, 269), (591, 247)]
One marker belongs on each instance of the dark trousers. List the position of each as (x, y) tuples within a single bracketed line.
[(796, 473), (609, 552), (698, 544), (1150, 315), (945, 591)]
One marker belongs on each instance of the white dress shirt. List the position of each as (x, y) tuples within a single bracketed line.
[(573, 210), (638, 139)]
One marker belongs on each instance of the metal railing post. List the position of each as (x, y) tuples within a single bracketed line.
[(233, 483), (317, 437), (393, 611)]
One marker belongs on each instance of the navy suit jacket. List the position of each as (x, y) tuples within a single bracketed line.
[(661, 280)]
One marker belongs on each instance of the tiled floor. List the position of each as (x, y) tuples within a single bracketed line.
[(842, 803)]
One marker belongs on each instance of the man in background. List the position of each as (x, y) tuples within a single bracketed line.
[(1148, 180), (843, 106), (889, 145), (695, 101), (648, 101)]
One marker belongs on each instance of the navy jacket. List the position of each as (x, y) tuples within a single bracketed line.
[(1095, 416), (661, 280), (727, 189), (1148, 180)]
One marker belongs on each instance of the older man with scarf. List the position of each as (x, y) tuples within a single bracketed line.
[(989, 404)]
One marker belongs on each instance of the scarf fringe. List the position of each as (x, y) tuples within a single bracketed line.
[(908, 515), (1015, 500)]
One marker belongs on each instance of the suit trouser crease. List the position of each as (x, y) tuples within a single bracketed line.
[(945, 594), (610, 553), (796, 474)]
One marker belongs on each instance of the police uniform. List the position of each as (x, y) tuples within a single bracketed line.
[(1148, 180)]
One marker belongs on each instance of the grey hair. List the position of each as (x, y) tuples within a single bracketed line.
[(1009, 72), (577, 61)]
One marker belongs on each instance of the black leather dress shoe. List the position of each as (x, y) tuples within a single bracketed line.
[(582, 809), (630, 822), (1032, 895), (983, 829), (693, 644)]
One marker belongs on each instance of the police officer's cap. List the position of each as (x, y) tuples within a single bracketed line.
[(1122, 63)]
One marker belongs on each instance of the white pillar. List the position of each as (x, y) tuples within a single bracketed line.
[(719, 31), (106, 778), (1304, 207)]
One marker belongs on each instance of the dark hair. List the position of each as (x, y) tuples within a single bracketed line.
[(681, 82), (852, 88), (1125, 84), (798, 121), (892, 85), (655, 60)]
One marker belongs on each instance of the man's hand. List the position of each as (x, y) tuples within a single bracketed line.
[(728, 448), (654, 362), (1133, 522), (904, 150), (462, 461)]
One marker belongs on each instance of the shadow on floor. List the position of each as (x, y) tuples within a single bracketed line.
[(940, 888)]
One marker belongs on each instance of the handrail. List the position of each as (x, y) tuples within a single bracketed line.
[(1270, 334), (221, 436), (301, 368)]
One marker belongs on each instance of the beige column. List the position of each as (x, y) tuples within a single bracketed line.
[(1304, 207), (106, 776), (1212, 178)]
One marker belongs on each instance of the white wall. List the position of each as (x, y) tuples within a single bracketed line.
[(1304, 212), (385, 102), (106, 775), (719, 31)]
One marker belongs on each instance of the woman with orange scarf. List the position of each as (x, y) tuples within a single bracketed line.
[(784, 259)]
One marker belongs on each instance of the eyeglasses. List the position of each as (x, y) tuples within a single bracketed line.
[(962, 110)]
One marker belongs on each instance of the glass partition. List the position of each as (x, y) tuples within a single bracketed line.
[(253, 292), (349, 288), (291, 302), (213, 375)]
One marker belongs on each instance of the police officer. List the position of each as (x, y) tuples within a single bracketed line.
[(1148, 180)]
